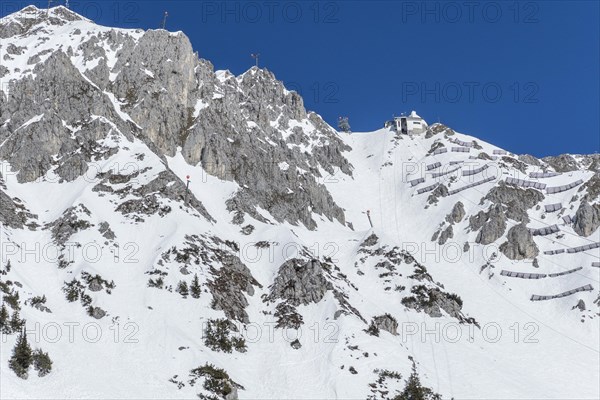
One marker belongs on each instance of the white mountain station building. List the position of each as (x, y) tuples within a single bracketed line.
[(412, 124)]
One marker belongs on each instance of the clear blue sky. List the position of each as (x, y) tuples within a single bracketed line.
[(523, 75)]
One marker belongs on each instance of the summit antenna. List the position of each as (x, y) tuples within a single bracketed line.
[(255, 56), (164, 21), (48, 9)]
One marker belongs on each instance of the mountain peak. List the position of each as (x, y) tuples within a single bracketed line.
[(33, 12), (31, 18), (66, 14), (243, 210)]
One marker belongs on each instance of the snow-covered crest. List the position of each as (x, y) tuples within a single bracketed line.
[(96, 144)]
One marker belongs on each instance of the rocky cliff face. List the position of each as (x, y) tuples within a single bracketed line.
[(97, 86), (99, 128)]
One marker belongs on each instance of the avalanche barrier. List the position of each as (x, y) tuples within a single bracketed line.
[(553, 207), (522, 275), (543, 174), (491, 178), (461, 149), (438, 174), (427, 189), (434, 166), (415, 182), (558, 189), (586, 288), (548, 230), (524, 183), (470, 172)]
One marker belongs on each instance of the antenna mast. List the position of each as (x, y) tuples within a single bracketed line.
[(164, 21), (48, 9), (255, 56)]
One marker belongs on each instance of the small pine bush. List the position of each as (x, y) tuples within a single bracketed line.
[(195, 288), (239, 344), (37, 300), (42, 362), (217, 336), (12, 300), (72, 290), (415, 391), (16, 323), (86, 299), (182, 289), (4, 322), (21, 358), (158, 283), (216, 379)]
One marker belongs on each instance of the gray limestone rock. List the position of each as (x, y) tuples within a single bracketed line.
[(519, 244), (516, 200), (457, 213), (446, 234), (248, 129), (97, 312), (530, 160), (13, 213), (587, 219), (491, 224), (562, 163), (387, 323), (230, 283), (300, 282)]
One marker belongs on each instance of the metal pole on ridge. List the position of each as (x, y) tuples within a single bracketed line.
[(187, 189), (164, 21)]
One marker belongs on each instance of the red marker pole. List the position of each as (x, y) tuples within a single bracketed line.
[(187, 189)]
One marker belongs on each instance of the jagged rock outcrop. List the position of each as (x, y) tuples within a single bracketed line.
[(513, 163), (432, 301), (591, 162), (370, 241), (529, 159), (96, 312), (446, 234), (76, 107), (152, 87), (105, 231), (516, 200), (13, 213), (304, 281), (230, 283), (492, 224), (592, 188), (95, 285), (519, 244), (230, 279), (387, 323), (587, 219), (71, 222), (438, 128), (580, 305), (457, 213), (562, 163), (440, 191), (300, 282), (147, 202)]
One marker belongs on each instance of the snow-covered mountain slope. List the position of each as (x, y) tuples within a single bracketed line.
[(481, 266)]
